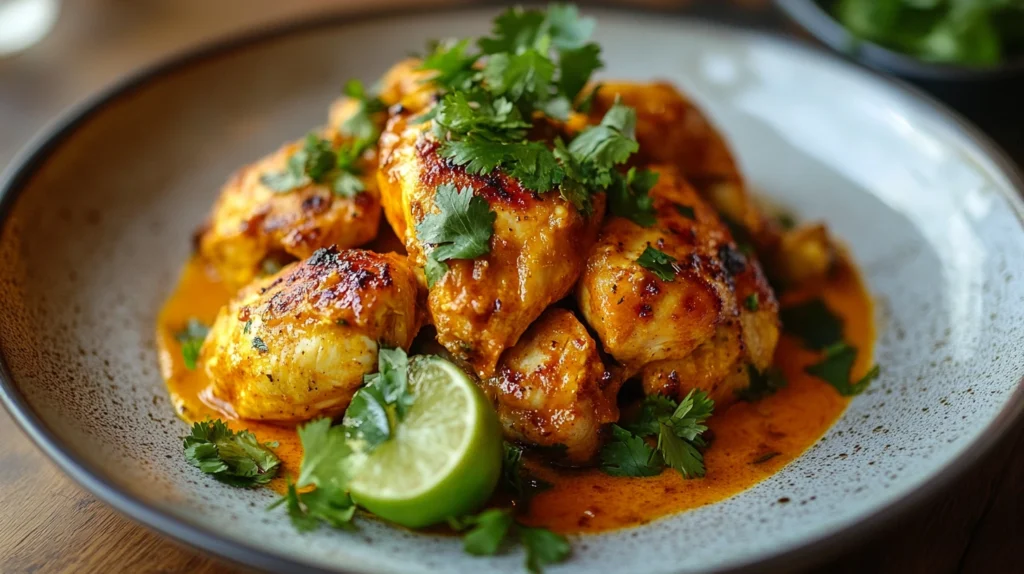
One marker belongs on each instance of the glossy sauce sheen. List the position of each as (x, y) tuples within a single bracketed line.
[(751, 440)]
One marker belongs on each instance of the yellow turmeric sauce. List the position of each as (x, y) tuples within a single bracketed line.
[(751, 440)]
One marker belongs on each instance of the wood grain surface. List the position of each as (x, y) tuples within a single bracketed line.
[(50, 525)]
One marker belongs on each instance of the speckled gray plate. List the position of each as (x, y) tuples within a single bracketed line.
[(97, 218)]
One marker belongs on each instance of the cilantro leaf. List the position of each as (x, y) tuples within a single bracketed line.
[(629, 455), (609, 143), (517, 479), (259, 345), (487, 531), (686, 211), (382, 402), (191, 339), (658, 262), (318, 161), (453, 66), (752, 302), (519, 74), (653, 410), (309, 509), (361, 125), (679, 454), (577, 65), (237, 459), (490, 528), (543, 547), (392, 379), (629, 196), (461, 229), (762, 384), (814, 323), (514, 29), (836, 367), (568, 31)]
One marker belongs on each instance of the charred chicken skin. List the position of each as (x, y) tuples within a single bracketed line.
[(481, 307), (701, 328), (295, 346)]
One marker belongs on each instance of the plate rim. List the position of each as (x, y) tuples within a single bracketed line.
[(27, 162)]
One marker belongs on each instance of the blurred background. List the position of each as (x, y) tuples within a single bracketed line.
[(54, 53)]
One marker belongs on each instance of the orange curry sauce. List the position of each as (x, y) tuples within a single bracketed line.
[(751, 440)]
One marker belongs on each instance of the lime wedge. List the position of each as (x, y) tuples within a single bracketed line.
[(443, 460)]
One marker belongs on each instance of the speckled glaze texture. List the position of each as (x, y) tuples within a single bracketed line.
[(101, 226)]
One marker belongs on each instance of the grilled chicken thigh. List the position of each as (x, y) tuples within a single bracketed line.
[(296, 345), (552, 389), (252, 225), (672, 130), (482, 306), (702, 328)]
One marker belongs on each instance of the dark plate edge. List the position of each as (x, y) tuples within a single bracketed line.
[(25, 164)]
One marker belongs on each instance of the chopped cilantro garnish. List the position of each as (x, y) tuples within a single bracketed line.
[(327, 467), (629, 455), (490, 528), (319, 162), (679, 428), (814, 323), (461, 229), (836, 367), (259, 345), (517, 479), (386, 396), (686, 211), (658, 262), (234, 458), (191, 339), (534, 62), (628, 196), (762, 384), (361, 124), (752, 302)]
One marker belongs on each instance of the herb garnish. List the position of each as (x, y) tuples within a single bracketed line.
[(679, 428), (658, 262), (836, 368), (320, 162), (533, 63), (259, 345), (762, 384), (752, 302), (361, 125), (462, 229), (191, 339), (520, 483), (234, 458), (490, 528), (814, 323)]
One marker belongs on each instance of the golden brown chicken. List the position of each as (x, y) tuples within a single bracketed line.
[(552, 389), (672, 130), (253, 227), (697, 327), (296, 345), (480, 307)]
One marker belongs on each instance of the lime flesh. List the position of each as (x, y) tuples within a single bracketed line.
[(443, 460)]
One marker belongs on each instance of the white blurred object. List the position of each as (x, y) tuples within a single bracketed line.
[(25, 22)]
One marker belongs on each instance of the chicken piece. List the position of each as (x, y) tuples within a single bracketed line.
[(296, 345), (253, 228), (700, 330), (480, 307), (552, 389), (672, 130)]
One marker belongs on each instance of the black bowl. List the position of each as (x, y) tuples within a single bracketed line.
[(990, 96)]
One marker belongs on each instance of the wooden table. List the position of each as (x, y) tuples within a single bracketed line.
[(48, 524)]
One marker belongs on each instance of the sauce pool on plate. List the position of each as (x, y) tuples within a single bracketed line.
[(751, 441)]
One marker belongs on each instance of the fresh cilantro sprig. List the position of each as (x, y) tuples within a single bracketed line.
[(814, 323), (461, 229), (837, 366), (535, 63), (658, 262), (361, 125), (762, 384), (318, 161), (679, 428), (382, 403), (327, 466), (517, 480), (235, 458), (488, 531), (191, 339)]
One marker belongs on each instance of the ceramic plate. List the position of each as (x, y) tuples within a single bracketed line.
[(98, 214)]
